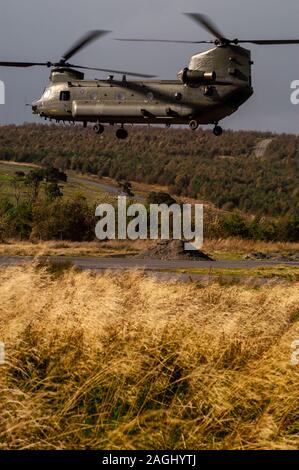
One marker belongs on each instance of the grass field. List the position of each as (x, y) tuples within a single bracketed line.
[(236, 248), (229, 249), (126, 362), (290, 273), (65, 248)]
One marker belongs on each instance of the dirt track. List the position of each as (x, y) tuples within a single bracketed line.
[(148, 264)]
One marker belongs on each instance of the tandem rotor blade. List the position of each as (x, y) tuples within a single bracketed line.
[(84, 41), (176, 41), (206, 23), (200, 19), (121, 72), (23, 64), (269, 42)]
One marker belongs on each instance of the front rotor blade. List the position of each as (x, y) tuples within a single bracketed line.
[(166, 41), (88, 38), (22, 64), (121, 72), (266, 42), (206, 23)]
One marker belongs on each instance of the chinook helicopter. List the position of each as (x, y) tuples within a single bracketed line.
[(214, 85)]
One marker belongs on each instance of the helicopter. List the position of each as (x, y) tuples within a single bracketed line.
[(213, 86)]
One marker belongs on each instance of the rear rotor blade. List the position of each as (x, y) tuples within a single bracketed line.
[(84, 41), (206, 23), (203, 20), (266, 42), (121, 72)]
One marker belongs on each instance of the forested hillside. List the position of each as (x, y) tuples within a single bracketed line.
[(228, 171)]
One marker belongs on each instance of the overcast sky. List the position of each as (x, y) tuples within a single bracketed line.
[(41, 30)]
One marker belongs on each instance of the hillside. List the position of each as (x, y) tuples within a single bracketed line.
[(255, 172), (75, 186)]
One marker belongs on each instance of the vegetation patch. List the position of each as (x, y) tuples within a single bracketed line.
[(283, 272), (188, 165)]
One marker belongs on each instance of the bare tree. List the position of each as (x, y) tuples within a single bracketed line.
[(17, 184)]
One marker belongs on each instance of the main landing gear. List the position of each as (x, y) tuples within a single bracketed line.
[(193, 124), (217, 131), (98, 129), (122, 133)]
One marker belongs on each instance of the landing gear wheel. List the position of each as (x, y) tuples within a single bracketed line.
[(98, 129), (122, 133), (218, 131), (193, 125)]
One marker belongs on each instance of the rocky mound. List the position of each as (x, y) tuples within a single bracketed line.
[(172, 250)]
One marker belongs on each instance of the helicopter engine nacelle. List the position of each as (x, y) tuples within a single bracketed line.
[(196, 77)]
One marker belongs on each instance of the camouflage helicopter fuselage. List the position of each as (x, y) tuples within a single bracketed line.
[(215, 85)]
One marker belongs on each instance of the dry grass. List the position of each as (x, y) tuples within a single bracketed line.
[(65, 248), (126, 362), (241, 246)]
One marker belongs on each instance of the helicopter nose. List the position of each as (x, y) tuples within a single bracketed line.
[(34, 107)]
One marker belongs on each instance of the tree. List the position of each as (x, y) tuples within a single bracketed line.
[(53, 191), (17, 184), (53, 175), (289, 228), (5, 226), (20, 220), (126, 187), (293, 228), (66, 220), (33, 181), (236, 226), (20, 174), (50, 175), (160, 198)]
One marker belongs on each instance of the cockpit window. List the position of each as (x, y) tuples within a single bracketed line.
[(65, 96)]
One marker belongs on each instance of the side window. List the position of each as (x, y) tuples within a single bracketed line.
[(120, 96), (65, 96)]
